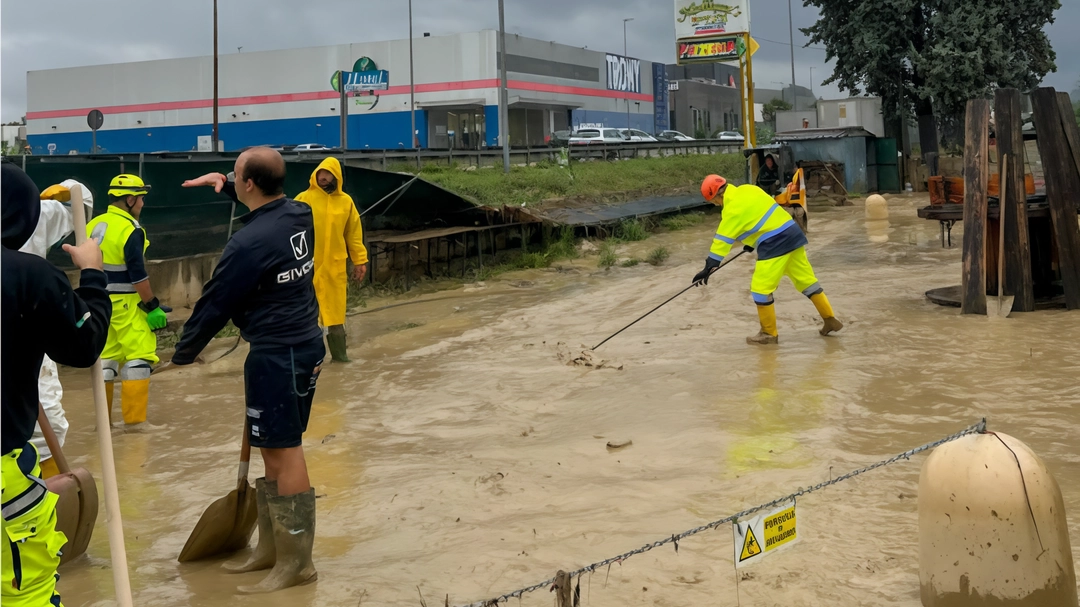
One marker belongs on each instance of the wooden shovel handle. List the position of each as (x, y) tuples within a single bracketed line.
[(245, 458), (52, 441)]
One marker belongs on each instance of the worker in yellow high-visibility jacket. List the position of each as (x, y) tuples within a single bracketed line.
[(753, 218), (132, 347)]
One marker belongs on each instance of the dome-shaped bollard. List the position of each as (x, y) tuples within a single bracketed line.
[(877, 208), (992, 528)]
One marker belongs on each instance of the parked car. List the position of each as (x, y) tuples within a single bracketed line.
[(673, 136), (596, 136), (560, 138), (636, 135), (309, 147), (730, 136)]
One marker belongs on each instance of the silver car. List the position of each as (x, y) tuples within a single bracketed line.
[(596, 136), (673, 136), (636, 135)]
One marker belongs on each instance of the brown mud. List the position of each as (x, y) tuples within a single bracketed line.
[(465, 452)]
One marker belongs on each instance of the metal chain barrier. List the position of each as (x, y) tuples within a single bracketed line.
[(978, 428)]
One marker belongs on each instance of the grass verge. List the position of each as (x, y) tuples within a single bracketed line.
[(594, 179)]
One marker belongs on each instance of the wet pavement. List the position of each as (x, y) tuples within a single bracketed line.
[(463, 453)]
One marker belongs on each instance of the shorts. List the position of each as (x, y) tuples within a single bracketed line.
[(279, 385)]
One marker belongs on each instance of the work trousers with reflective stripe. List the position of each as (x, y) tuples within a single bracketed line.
[(130, 338), (768, 272), (33, 542)]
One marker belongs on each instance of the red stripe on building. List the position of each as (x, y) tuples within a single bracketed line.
[(437, 87)]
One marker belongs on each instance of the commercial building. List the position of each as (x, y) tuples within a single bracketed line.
[(289, 97), (704, 98)]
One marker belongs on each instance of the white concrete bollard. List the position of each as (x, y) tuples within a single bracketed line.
[(877, 207), (990, 534)]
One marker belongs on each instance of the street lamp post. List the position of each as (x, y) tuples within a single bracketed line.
[(791, 39), (412, 87), (812, 82), (624, 56), (504, 99), (214, 131)]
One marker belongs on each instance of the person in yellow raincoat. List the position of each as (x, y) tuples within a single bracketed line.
[(753, 218), (339, 236)]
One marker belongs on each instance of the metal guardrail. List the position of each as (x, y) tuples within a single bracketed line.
[(385, 158)]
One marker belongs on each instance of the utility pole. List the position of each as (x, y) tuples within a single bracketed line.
[(812, 82), (504, 99), (625, 57), (412, 87), (791, 39), (214, 132)]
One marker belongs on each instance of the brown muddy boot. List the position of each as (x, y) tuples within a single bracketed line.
[(264, 556), (832, 325), (293, 519), (762, 339)]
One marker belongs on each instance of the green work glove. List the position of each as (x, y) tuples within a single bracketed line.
[(155, 314), (157, 319)]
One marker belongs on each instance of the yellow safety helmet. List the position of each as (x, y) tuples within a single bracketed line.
[(128, 185)]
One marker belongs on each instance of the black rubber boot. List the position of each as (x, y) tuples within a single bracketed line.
[(264, 556), (293, 519), (335, 338)]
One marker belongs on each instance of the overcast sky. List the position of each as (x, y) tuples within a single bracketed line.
[(34, 34)]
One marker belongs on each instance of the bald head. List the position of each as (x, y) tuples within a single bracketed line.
[(265, 168)]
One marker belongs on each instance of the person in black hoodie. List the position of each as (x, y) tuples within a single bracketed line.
[(41, 314), (263, 283)]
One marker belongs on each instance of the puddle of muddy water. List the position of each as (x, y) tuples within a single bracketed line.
[(461, 454)]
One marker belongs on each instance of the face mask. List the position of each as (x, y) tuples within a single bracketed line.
[(330, 187)]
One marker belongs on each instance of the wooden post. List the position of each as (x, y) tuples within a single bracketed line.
[(973, 289), (564, 591), (1010, 142), (1072, 131), (1062, 188)]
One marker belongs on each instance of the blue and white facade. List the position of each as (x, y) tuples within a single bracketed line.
[(287, 97)]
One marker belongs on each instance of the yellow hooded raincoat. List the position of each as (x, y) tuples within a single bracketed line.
[(338, 236)]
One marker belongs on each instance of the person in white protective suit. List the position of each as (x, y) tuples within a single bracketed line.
[(55, 224)]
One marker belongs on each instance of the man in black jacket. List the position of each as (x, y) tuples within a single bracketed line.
[(41, 315), (264, 284)]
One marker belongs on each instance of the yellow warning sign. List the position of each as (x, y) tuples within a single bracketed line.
[(758, 536), (750, 545), (780, 528)]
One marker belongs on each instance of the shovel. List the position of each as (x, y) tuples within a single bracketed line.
[(1002, 306), (77, 508), (227, 524)]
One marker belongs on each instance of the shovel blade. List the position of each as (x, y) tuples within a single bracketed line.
[(999, 307), (76, 510), (225, 526)]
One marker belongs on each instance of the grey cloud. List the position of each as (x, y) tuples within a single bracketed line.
[(154, 29)]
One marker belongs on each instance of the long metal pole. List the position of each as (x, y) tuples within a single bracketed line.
[(504, 99), (412, 87), (214, 133), (624, 55), (791, 39)]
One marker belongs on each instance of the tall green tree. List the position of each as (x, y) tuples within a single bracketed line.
[(928, 57)]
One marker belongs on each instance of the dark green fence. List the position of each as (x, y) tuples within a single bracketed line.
[(189, 221)]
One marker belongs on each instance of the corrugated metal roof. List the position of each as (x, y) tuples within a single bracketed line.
[(823, 133)]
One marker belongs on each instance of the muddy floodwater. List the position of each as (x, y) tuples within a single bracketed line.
[(463, 453)]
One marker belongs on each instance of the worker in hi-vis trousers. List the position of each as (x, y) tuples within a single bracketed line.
[(41, 315), (752, 217), (132, 347)]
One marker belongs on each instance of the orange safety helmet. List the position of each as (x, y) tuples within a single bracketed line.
[(712, 186)]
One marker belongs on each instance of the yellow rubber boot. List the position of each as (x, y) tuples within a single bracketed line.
[(109, 397), (134, 398), (767, 316), (824, 308)]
